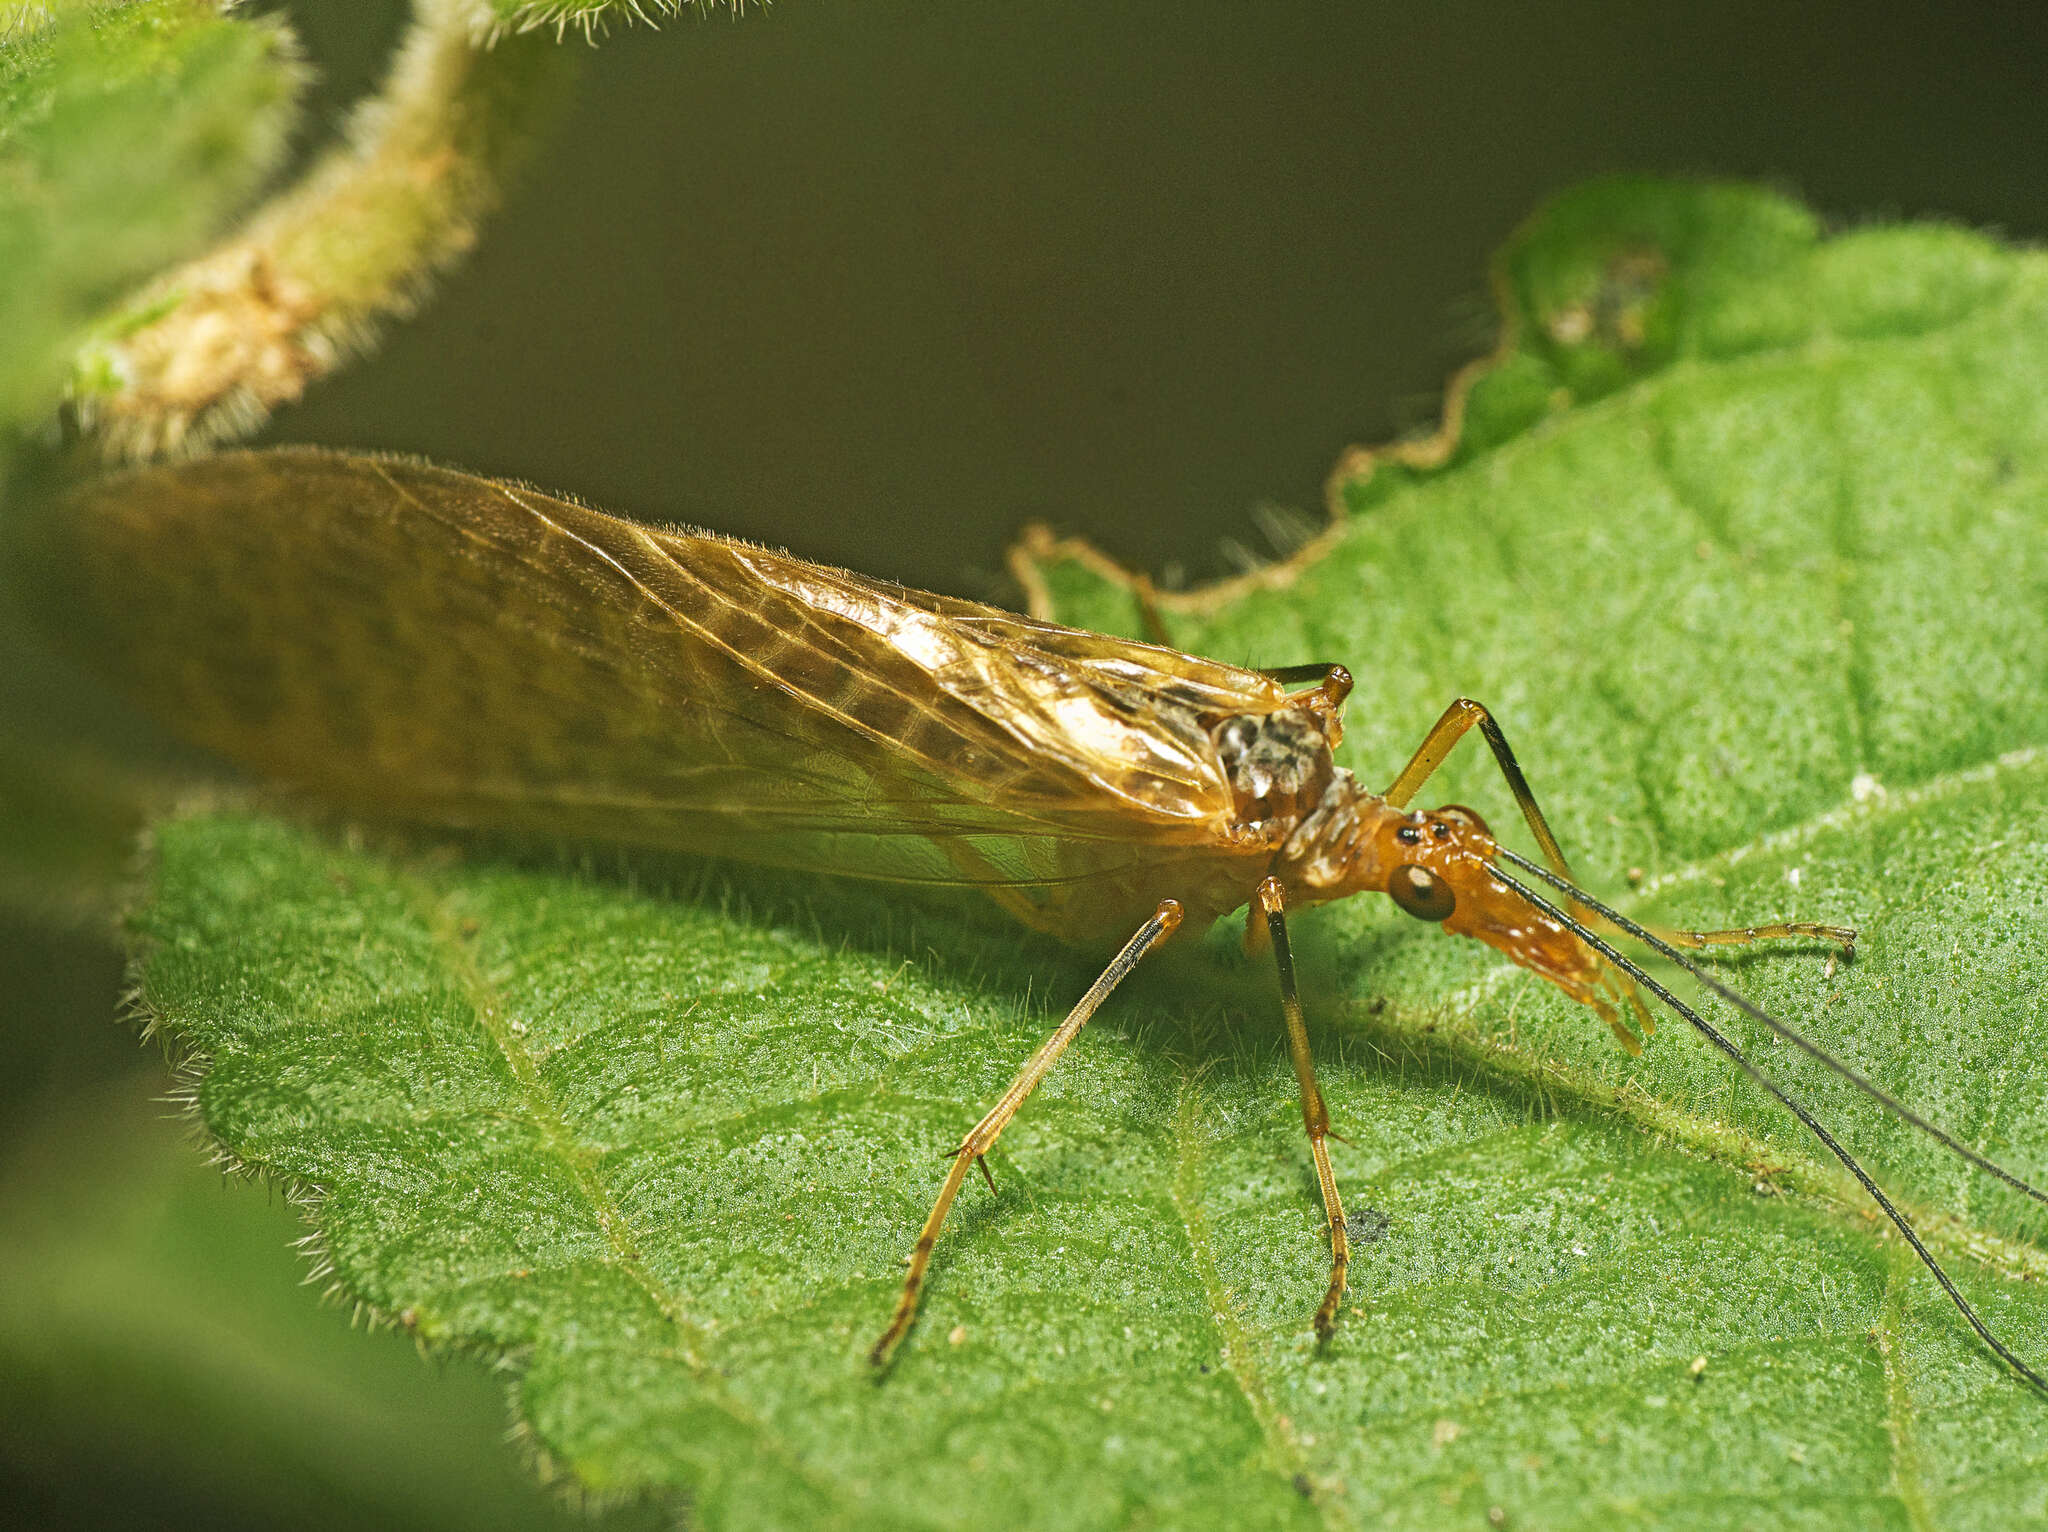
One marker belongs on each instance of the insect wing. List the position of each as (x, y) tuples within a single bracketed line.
[(413, 641)]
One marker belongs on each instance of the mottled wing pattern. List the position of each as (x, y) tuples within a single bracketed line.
[(414, 641)]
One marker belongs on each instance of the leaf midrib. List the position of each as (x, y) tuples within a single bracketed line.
[(1905, 1455), (452, 947), (1238, 1352)]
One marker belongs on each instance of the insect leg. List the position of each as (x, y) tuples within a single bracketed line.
[(1146, 594), (982, 1136), (1314, 1115), (1333, 685), (1741, 935), (1461, 716), (1443, 735), (1292, 675)]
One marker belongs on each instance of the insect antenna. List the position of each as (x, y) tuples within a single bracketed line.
[(1755, 1012), (1791, 1103)]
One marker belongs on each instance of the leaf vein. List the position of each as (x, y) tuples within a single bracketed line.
[(1238, 1350), (546, 1114)]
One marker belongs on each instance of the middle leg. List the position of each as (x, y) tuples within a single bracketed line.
[(1314, 1115)]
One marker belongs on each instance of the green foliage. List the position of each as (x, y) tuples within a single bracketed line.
[(1626, 277), (1746, 548), (126, 134)]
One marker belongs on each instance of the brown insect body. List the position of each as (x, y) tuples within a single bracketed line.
[(413, 642), (416, 643), (1356, 842)]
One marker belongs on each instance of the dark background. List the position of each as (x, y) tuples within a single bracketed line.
[(880, 282)]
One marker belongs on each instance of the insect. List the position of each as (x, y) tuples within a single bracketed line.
[(420, 643)]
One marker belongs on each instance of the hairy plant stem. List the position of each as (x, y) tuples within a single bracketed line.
[(206, 352)]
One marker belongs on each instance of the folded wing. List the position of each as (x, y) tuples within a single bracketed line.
[(418, 642)]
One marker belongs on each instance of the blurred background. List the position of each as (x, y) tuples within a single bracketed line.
[(881, 282)]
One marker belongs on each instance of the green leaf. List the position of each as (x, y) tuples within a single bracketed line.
[(127, 133), (1744, 542)]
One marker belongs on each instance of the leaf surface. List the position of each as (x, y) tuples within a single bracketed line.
[(1742, 537)]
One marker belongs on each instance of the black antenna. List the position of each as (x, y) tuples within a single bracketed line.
[(1791, 1103), (1756, 1012)]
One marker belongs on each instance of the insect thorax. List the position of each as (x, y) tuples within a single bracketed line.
[(1278, 766)]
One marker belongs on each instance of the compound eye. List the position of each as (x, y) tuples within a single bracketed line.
[(1421, 892)]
